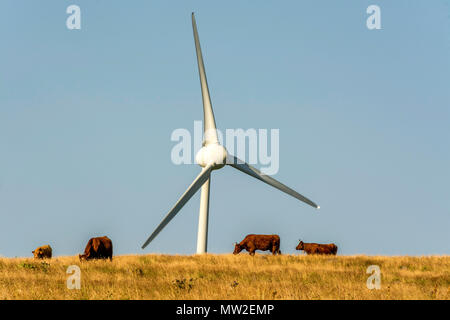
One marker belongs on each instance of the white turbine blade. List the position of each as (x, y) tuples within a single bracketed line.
[(198, 182), (248, 169), (209, 124)]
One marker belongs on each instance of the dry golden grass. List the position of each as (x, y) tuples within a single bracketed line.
[(227, 277)]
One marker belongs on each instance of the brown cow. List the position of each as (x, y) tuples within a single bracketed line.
[(253, 242), (317, 248), (98, 248), (42, 252)]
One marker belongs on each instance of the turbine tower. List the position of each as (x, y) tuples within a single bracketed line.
[(213, 156)]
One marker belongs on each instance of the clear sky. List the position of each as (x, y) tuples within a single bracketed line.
[(86, 117)]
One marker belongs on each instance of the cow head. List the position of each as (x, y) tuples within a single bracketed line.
[(38, 253), (82, 257), (237, 248), (300, 245)]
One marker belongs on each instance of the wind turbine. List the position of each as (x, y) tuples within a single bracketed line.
[(213, 156)]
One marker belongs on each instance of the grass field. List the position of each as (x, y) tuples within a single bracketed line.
[(227, 277)]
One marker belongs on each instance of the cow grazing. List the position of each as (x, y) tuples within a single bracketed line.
[(262, 242), (317, 248), (98, 248), (42, 252)]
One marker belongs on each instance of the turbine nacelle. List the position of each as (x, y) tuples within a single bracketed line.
[(212, 154)]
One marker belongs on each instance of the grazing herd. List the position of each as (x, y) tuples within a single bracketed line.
[(102, 248), (263, 242), (96, 248)]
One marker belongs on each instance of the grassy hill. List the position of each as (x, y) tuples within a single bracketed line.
[(227, 277)]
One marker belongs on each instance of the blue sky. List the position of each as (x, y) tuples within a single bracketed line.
[(86, 117)]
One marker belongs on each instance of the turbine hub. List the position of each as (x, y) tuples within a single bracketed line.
[(213, 154)]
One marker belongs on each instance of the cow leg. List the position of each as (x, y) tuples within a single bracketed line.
[(276, 249), (251, 248)]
